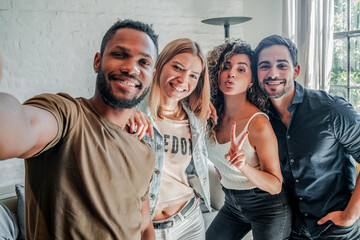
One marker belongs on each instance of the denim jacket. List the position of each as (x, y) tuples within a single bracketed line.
[(197, 171)]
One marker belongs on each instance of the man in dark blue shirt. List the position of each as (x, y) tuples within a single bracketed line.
[(316, 133)]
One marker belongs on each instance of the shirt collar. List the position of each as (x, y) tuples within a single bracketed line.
[(298, 98), (299, 94)]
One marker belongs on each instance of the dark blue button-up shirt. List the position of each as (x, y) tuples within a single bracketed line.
[(314, 155)]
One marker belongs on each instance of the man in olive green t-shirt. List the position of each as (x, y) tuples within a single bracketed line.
[(86, 176)]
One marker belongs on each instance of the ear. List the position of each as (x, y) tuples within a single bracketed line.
[(154, 73), (296, 71), (251, 83), (97, 61)]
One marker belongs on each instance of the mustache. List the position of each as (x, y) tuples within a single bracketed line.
[(123, 75), (274, 79)]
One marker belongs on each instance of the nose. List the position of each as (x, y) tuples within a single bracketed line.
[(184, 77), (273, 72), (231, 73), (131, 67)]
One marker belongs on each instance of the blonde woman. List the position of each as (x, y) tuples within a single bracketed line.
[(177, 108), (243, 148)]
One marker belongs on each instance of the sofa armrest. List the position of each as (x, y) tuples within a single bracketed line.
[(10, 203)]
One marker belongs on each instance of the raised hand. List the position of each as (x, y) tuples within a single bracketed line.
[(140, 124), (236, 155), (212, 113)]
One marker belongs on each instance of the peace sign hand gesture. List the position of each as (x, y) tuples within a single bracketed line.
[(236, 155)]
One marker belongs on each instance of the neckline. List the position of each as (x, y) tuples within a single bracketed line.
[(242, 132)]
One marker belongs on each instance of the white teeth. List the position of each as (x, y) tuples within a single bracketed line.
[(177, 88), (128, 83), (274, 83)]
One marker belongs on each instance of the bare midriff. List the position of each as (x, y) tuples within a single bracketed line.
[(164, 213)]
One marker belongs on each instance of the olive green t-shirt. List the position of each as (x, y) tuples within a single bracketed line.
[(90, 181)]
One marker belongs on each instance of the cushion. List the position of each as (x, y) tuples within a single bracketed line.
[(9, 229), (20, 192)]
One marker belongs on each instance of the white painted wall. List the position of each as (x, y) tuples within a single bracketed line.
[(49, 46)]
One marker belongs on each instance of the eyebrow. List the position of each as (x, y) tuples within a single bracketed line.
[(184, 67), (124, 49), (240, 63), (278, 61)]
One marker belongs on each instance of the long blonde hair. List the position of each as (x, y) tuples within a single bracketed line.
[(199, 99)]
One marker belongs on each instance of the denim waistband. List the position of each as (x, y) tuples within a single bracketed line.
[(173, 219)]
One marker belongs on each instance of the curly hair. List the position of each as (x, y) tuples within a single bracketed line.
[(217, 59)]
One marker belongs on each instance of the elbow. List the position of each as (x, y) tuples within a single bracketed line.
[(276, 188)]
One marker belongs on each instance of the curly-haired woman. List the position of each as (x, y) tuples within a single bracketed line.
[(244, 150)]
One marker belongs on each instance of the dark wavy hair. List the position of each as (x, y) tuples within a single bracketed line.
[(217, 59)]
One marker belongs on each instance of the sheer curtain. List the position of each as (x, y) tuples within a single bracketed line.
[(309, 24)]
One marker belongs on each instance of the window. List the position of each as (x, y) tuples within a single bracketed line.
[(345, 74)]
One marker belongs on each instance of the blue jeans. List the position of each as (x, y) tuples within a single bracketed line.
[(268, 216), (334, 232)]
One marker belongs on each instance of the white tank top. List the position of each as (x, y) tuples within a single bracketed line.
[(231, 176)]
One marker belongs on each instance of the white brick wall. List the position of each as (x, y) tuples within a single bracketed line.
[(49, 46)]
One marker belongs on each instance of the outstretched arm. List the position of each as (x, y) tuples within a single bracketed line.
[(147, 228), (24, 130)]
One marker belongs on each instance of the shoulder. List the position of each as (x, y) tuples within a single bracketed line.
[(324, 101), (259, 123), (259, 128), (320, 96), (48, 100)]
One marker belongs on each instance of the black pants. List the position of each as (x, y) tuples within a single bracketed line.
[(332, 233), (268, 216)]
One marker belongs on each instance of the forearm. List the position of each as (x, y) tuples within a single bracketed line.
[(263, 180), (148, 234), (147, 228), (352, 211)]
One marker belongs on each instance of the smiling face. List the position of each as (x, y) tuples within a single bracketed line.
[(179, 76), (235, 78), (276, 72), (126, 68)]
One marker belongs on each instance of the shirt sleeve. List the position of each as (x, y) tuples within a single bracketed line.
[(63, 107), (346, 127)]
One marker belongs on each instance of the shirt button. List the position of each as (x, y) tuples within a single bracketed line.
[(297, 180), (288, 136), (157, 172), (159, 146), (305, 214), (301, 199), (292, 160), (153, 196)]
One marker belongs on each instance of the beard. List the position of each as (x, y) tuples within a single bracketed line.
[(110, 99), (276, 95)]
